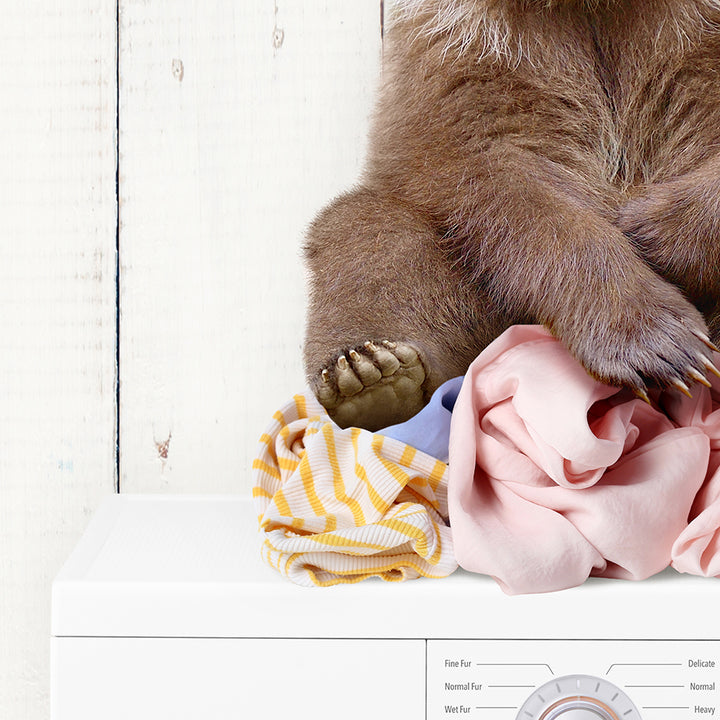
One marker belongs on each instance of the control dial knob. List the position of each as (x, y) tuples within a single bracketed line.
[(578, 697)]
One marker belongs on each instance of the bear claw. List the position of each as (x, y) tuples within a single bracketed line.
[(706, 340)]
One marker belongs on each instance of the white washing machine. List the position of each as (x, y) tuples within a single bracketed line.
[(164, 610)]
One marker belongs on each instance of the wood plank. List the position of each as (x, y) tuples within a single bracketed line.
[(57, 325), (239, 121)]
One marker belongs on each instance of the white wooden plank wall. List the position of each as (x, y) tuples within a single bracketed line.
[(239, 120), (57, 314)]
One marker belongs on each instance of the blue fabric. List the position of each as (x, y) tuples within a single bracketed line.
[(429, 430)]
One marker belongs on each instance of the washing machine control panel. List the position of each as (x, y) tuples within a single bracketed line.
[(573, 679)]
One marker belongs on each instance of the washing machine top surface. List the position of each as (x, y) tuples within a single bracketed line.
[(189, 566)]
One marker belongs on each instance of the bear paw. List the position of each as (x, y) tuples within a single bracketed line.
[(373, 385)]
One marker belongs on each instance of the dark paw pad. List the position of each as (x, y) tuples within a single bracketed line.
[(373, 385)]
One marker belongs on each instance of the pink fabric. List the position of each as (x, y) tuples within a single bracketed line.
[(555, 477), (697, 549)]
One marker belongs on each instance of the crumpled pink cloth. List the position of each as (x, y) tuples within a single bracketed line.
[(697, 549), (555, 477)]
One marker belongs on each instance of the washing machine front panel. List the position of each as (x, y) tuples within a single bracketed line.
[(165, 604)]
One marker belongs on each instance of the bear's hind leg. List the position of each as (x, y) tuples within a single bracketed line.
[(390, 316)]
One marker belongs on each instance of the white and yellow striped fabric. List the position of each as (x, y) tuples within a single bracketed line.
[(338, 506)]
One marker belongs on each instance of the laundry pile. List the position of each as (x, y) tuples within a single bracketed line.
[(342, 505), (525, 469)]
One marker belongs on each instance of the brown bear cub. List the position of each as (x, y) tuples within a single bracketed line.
[(531, 161)]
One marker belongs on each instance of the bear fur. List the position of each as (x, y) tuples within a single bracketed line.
[(530, 161)]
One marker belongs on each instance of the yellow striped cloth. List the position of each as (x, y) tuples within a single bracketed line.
[(338, 506)]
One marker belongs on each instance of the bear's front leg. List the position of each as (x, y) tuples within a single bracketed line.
[(675, 227), (543, 244)]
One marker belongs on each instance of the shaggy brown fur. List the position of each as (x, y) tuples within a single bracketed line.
[(551, 161)]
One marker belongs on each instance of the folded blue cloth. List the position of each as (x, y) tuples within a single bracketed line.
[(429, 430)]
